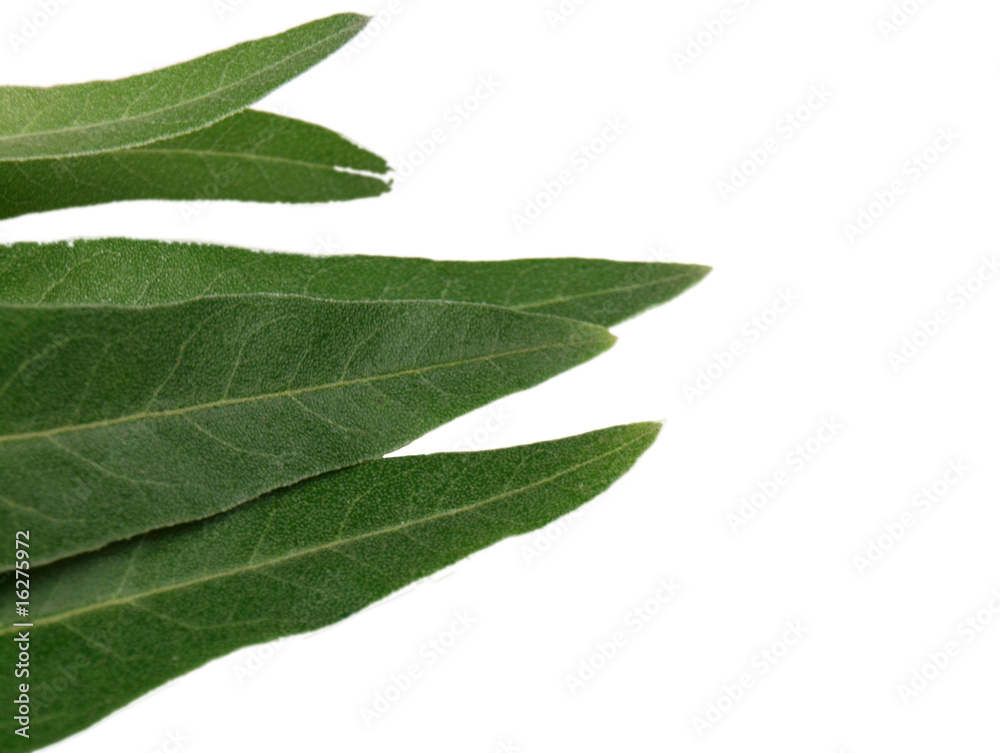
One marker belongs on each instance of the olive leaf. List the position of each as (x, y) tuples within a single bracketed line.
[(100, 116), (251, 156), (182, 133), (115, 624), (119, 420), (142, 273)]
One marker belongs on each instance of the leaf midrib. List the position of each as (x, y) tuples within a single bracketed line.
[(227, 402), (604, 291), (252, 157), (249, 567), (14, 138), (379, 176)]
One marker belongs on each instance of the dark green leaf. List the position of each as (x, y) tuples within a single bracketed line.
[(126, 619), (138, 273), (115, 421), (250, 156), (70, 121)]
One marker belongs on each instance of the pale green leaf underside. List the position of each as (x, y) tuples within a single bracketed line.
[(115, 421), (78, 119), (142, 273), (142, 612), (250, 156)]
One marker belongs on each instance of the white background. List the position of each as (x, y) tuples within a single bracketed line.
[(652, 195)]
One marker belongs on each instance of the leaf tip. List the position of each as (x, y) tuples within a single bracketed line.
[(361, 20), (649, 429), (607, 338), (692, 273), (701, 270)]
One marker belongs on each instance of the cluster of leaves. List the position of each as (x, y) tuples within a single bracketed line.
[(194, 435), (183, 132)]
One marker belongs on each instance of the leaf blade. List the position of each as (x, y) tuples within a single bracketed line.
[(78, 119), (134, 272), (134, 610), (249, 156), (115, 421)]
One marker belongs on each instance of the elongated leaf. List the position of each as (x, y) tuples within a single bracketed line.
[(130, 617), (250, 156), (115, 421), (78, 119), (140, 273)]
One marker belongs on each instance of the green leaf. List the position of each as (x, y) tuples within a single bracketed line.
[(70, 121), (115, 421), (250, 156), (140, 273), (126, 619)]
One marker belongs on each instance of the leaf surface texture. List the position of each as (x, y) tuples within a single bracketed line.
[(251, 156), (116, 420), (99, 116), (139, 613), (141, 273)]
